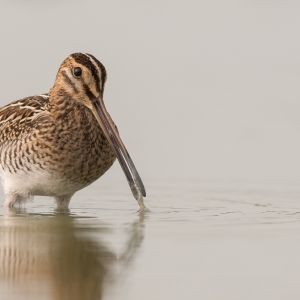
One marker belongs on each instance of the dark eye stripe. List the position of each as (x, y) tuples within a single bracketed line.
[(89, 93), (68, 81), (84, 59)]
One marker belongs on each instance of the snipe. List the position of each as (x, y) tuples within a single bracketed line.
[(58, 143)]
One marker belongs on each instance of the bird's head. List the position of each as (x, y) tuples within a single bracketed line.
[(83, 77)]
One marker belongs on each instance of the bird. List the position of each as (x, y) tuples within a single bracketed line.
[(57, 143)]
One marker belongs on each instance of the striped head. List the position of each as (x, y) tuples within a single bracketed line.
[(83, 77)]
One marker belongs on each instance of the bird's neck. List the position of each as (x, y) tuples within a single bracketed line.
[(62, 103), (62, 96)]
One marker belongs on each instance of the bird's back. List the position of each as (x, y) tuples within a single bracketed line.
[(19, 118)]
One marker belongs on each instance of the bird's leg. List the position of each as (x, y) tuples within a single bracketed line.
[(62, 202), (11, 199)]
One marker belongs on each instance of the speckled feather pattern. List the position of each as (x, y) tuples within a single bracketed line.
[(53, 140), (64, 140)]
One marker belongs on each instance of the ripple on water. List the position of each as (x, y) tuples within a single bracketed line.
[(102, 244)]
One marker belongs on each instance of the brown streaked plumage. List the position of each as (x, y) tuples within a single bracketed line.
[(57, 143)]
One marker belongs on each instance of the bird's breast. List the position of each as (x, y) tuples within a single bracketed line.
[(80, 150)]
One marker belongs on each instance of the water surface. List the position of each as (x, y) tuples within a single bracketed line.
[(201, 240)]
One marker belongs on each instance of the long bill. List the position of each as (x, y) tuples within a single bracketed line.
[(109, 129)]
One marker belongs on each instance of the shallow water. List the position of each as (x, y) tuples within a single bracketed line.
[(201, 240)]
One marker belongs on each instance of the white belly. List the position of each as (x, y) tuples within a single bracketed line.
[(38, 183)]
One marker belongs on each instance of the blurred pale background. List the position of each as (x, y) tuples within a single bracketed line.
[(198, 89), (202, 92)]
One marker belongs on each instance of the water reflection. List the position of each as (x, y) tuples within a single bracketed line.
[(59, 256)]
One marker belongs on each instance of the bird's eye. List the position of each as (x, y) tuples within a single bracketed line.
[(77, 72)]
